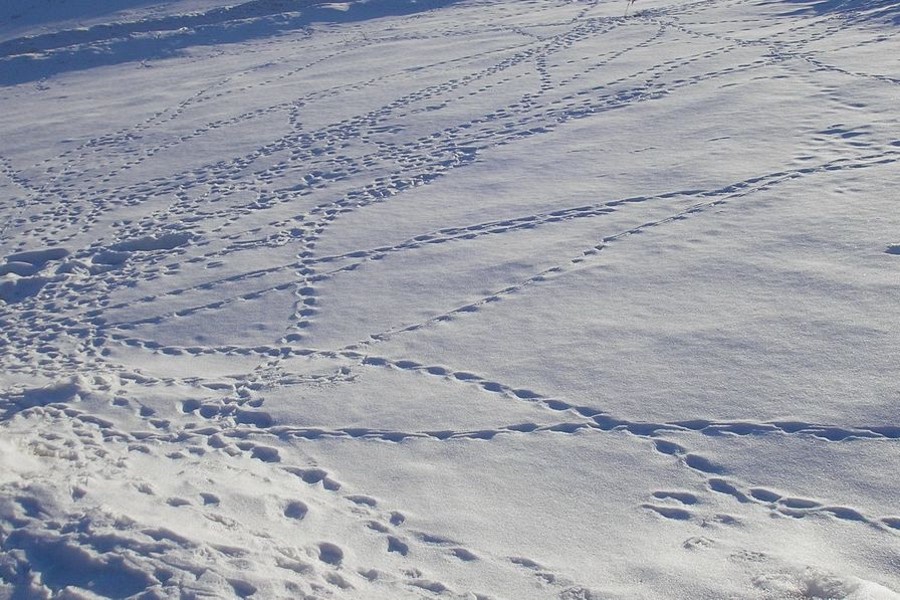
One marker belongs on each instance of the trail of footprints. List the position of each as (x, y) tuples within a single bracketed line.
[(390, 525), (687, 506), (581, 211), (311, 163), (398, 539), (403, 101), (246, 421)]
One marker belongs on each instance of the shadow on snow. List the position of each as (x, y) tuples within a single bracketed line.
[(860, 10), (32, 58)]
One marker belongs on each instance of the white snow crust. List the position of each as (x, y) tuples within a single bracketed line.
[(463, 299)]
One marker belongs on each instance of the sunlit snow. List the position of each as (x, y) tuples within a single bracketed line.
[(464, 299)]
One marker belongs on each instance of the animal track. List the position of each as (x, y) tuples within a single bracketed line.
[(670, 512), (112, 236), (296, 510), (330, 553), (682, 497)]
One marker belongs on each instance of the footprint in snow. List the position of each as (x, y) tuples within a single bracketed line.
[(330, 553), (296, 510), (669, 512), (682, 497)]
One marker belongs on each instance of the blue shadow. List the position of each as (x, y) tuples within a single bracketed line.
[(864, 10), (32, 58)]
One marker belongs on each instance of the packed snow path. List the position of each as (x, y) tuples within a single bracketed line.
[(476, 299)]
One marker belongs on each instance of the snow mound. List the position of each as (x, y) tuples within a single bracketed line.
[(814, 584)]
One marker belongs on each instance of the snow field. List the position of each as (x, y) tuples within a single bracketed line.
[(478, 299)]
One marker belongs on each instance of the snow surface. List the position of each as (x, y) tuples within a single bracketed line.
[(476, 299)]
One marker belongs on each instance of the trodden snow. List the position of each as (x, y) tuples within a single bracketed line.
[(472, 299)]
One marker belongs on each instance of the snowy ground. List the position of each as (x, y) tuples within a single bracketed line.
[(481, 299)]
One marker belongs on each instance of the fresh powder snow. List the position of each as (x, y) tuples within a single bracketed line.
[(463, 299)]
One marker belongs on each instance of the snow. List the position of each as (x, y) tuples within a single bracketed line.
[(475, 299)]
